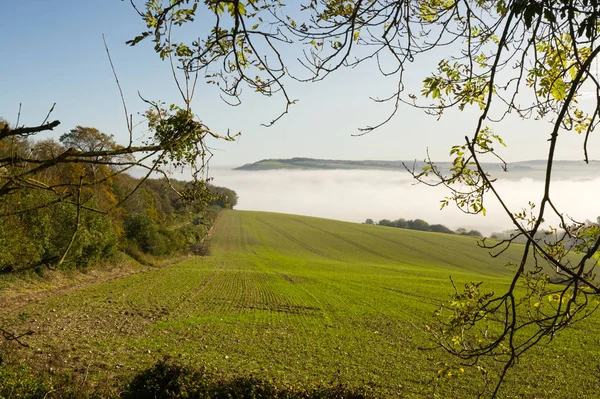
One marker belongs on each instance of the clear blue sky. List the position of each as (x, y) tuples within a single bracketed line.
[(52, 51)]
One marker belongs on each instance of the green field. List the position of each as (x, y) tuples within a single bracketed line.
[(296, 300)]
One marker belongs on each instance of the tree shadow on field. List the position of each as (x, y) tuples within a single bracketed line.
[(168, 379)]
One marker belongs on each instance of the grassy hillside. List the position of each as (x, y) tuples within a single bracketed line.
[(296, 300), (310, 163)]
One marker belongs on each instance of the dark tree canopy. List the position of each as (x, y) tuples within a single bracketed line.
[(440, 228)]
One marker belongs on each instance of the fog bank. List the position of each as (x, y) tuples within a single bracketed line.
[(355, 195)]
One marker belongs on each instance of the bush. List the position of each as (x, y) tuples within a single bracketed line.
[(140, 229), (193, 233), (174, 241), (167, 379), (41, 236), (144, 259), (201, 249), (96, 240)]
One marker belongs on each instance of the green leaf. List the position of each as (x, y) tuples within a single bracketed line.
[(559, 90)]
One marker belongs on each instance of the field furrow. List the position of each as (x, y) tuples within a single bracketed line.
[(296, 241)]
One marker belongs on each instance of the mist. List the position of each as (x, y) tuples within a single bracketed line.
[(355, 195)]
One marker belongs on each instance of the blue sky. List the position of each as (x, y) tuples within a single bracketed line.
[(53, 52)]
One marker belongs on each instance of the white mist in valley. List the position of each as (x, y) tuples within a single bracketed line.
[(355, 195)]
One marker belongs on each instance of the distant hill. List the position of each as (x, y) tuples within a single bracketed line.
[(534, 168), (311, 163)]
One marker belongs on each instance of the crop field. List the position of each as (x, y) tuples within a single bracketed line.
[(295, 300)]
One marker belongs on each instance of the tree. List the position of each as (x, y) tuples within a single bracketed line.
[(225, 197), (386, 222), (529, 58), (418, 224), (89, 139), (369, 221), (440, 228), (462, 231), (474, 233), (401, 223)]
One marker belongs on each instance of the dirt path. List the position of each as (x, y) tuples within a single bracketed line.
[(22, 292)]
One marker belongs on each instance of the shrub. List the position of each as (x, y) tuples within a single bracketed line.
[(173, 241), (96, 240), (201, 249), (41, 236), (140, 229), (167, 379), (134, 251)]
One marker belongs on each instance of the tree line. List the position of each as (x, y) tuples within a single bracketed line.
[(577, 238), (421, 225), (71, 214)]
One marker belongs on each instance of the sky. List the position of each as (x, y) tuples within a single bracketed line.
[(53, 53)]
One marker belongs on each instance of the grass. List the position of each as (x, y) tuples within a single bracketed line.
[(291, 301)]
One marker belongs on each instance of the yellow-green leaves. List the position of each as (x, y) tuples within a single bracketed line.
[(455, 83), (236, 8), (466, 174), (501, 7), (556, 67), (337, 10), (558, 89), (181, 50), (430, 10), (465, 308)]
